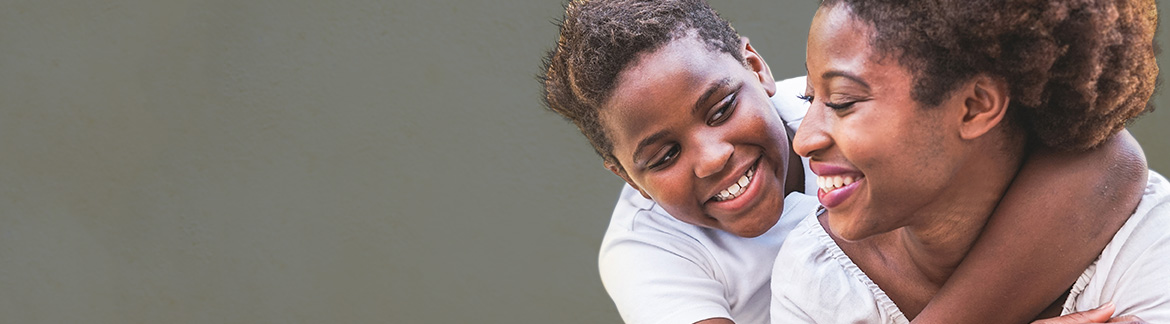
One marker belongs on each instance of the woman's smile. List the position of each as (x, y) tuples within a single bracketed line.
[(836, 183)]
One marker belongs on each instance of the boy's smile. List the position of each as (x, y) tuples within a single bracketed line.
[(694, 130)]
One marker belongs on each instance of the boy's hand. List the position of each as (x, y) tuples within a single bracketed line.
[(1098, 315)]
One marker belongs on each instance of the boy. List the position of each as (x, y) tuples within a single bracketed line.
[(687, 113)]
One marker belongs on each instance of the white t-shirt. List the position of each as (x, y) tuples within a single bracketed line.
[(658, 269), (820, 284)]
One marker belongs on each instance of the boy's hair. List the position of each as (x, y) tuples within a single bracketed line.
[(600, 38), (1078, 70)]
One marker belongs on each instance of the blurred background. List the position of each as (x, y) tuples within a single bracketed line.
[(351, 161)]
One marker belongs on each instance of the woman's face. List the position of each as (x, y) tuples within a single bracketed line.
[(695, 131), (879, 156)]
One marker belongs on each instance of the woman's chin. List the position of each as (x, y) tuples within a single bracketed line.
[(846, 227)]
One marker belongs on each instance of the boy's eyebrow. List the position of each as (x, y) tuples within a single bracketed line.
[(646, 142), (715, 86), (710, 91)]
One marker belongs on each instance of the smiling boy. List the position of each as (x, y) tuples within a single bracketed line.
[(688, 114)]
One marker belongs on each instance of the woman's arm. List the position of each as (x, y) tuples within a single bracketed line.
[(1059, 213)]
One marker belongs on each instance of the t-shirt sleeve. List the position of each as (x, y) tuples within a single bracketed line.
[(1147, 295), (659, 278), (1133, 271), (1144, 286)]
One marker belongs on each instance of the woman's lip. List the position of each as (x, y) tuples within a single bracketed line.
[(824, 169), (837, 196)]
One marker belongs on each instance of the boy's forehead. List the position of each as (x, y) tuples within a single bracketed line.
[(681, 65), (676, 73), (660, 86)]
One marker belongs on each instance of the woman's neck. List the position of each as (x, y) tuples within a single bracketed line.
[(913, 262)]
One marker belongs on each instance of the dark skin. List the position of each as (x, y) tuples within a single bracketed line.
[(1084, 198), (1012, 276), (987, 291), (1058, 211)]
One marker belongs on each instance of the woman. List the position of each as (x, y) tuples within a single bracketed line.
[(921, 115)]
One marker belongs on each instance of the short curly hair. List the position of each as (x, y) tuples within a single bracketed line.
[(1078, 70), (599, 38)]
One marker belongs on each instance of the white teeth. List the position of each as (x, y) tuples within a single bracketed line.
[(833, 182), (736, 188)]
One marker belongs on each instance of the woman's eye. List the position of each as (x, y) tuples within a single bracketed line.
[(805, 97), (723, 111), (666, 157), (839, 106)]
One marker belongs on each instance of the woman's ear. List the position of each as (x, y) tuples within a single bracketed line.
[(621, 173), (756, 64), (985, 106)]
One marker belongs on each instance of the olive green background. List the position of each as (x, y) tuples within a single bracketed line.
[(350, 161)]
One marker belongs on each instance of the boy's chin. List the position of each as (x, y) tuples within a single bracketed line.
[(753, 229)]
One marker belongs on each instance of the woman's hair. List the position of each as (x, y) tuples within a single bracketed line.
[(1078, 70), (600, 38)]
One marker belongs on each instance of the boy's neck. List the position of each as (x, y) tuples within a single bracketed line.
[(794, 177)]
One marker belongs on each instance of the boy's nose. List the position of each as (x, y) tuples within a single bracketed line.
[(713, 157)]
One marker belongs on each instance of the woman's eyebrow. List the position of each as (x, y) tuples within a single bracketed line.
[(842, 74)]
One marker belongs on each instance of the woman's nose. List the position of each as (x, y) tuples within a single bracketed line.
[(812, 136)]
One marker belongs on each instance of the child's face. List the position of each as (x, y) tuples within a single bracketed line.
[(695, 130)]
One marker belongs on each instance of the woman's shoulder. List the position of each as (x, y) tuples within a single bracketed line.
[(812, 278), (1131, 270)]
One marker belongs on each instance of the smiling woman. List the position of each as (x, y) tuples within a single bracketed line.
[(904, 159), (921, 116), (685, 111)]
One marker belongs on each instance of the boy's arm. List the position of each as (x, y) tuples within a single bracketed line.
[(1059, 213)]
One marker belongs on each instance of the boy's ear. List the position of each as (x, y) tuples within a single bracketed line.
[(985, 106), (756, 64), (621, 173)]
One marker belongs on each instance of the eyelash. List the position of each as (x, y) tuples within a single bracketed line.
[(670, 155), (721, 114), (724, 111), (834, 106)]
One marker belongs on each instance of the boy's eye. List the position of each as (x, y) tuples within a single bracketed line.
[(666, 158), (722, 111)]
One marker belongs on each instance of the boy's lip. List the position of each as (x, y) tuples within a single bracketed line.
[(748, 194)]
